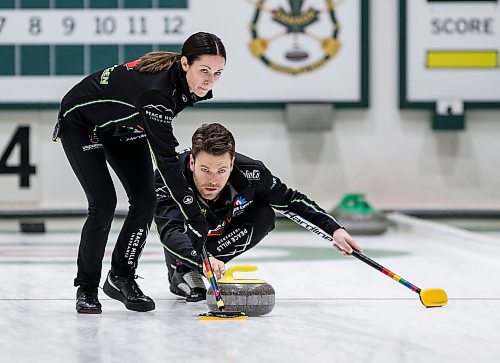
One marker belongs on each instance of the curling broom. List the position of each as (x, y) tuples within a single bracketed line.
[(428, 297), (220, 314)]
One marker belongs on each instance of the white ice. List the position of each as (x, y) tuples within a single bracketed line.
[(328, 308)]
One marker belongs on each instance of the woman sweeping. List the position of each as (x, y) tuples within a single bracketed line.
[(122, 116)]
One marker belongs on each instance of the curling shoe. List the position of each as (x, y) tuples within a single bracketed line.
[(86, 301), (126, 290), (188, 283)]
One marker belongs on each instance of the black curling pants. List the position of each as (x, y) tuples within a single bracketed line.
[(130, 159), (241, 234)]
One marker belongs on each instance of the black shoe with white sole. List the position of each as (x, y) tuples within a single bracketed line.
[(126, 290)]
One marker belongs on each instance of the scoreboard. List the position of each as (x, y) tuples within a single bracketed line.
[(48, 45), (275, 48), (278, 52), (449, 57)]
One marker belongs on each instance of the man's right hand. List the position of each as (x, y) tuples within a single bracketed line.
[(197, 230), (344, 243), (218, 267)]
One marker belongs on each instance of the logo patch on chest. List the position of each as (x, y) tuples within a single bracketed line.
[(252, 174), (240, 203)]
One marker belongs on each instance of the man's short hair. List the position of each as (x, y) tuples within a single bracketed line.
[(214, 139)]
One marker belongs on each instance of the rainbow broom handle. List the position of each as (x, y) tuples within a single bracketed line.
[(385, 271), (211, 278)]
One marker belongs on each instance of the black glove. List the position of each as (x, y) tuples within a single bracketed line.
[(197, 230)]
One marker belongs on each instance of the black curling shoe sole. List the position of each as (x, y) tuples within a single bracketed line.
[(81, 310)]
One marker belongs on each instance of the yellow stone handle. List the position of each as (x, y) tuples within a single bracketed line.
[(228, 277)]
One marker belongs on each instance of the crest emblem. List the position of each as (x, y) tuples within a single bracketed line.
[(294, 36)]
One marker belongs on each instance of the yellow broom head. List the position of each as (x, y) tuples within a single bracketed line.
[(223, 315), (433, 297)]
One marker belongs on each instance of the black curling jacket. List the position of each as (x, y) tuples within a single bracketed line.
[(122, 102), (250, 183)]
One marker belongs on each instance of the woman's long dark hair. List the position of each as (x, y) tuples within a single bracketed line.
[(194, 47)]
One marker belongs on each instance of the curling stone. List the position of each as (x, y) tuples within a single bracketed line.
[(252, 296), (358, 217)]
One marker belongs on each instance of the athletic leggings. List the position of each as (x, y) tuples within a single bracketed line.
[(130, 159)]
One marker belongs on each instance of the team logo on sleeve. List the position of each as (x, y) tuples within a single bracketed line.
[(162, 193), (187, 199), (159, 113), (106, 74), (159, 108)]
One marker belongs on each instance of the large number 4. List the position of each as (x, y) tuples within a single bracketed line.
[(23, 169)]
